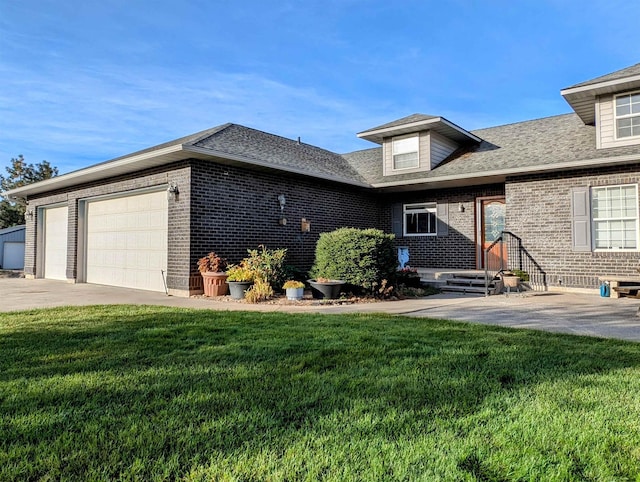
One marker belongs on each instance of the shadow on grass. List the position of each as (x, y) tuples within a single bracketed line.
[(115, 385)]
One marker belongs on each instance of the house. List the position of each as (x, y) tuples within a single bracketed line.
[(12, 247), (557, 196)]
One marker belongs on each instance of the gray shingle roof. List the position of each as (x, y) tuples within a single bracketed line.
[(530, 144), (405, 120), (618, 74), (278, 152)]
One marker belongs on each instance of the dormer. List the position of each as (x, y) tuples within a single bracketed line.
[(417, 143), (612, 104)]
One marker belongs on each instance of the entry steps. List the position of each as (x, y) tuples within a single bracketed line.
[(463, 281)]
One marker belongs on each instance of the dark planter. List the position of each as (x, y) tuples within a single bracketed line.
[(326, 290), (238, 288)]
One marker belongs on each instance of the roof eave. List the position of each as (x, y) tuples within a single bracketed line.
[(582, 99), (233, 159), (500, 175), (378, 135), (124, 165)]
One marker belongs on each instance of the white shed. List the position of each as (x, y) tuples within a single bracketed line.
[(12, 247)]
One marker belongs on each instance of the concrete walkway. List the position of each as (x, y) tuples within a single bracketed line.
[(580, 314)]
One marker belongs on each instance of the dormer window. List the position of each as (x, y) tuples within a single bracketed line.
[(628, 115), (405, 152)]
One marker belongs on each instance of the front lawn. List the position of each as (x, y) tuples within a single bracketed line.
[(153, 393)]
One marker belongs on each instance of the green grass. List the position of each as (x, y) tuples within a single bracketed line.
[(152, 393)]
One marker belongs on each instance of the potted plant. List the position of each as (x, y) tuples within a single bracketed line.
[(294, 289), (212, 268), (510, 280), (325, 287), (239, 278)]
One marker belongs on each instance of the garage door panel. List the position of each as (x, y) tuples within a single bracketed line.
[(55, 242), (127, 241)]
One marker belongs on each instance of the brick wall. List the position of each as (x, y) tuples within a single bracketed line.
[(456, 250), (539, 212), (235, 209)]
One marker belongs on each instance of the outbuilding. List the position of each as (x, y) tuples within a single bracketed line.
[(12, 247)]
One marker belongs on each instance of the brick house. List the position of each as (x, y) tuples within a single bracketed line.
[(564, 188)]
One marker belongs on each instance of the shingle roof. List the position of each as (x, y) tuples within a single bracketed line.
[(405, 120), (278, 152), (618, 74), (531, 144)]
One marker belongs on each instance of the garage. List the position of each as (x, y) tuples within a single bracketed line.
[(126, 241), (55, 242)]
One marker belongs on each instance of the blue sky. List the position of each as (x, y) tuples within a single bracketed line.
[(86, 81)]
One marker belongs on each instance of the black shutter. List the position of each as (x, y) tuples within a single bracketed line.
[(396, 220)]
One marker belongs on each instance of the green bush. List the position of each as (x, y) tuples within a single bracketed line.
[(360, 257), (268, 265)]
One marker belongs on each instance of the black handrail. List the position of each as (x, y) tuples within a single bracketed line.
[(517, 257)]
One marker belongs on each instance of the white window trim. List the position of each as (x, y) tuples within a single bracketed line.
[(425, 207), (393, 153), (593, 223), (627, 116)]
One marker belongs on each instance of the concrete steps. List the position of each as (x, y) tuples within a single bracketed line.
[(466, 282)]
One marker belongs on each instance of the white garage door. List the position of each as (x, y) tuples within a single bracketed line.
[(127, 241), (13, 255), (55, 242)]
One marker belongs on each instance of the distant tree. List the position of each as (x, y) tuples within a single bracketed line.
[(20, 173)]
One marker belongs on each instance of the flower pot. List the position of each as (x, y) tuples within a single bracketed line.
[(511, 281), (214, 283), (237, 289), (327, 289), (295, 293)]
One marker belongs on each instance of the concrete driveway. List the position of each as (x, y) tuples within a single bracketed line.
[(579, 314)]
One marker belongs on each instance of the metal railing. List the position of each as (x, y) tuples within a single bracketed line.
[(506, 253)]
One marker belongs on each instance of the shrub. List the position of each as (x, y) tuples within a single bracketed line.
[(268, 265), (360, 257)]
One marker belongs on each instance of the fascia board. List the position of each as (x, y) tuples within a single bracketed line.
[(92, 173), (517, 171)]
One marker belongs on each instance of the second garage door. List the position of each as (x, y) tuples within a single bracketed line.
[(127, 241)]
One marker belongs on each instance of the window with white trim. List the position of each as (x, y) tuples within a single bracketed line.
[(405, 152), (614, 214), (628, 115), (420, 219)]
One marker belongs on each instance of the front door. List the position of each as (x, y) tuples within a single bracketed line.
[(490, 224)]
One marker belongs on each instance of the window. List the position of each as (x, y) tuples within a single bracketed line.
[(628, 115), (405, 152), (420, 219), (614, 214)]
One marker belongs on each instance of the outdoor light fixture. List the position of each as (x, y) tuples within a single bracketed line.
[(283, 201), (172, 191), (460, 208), (29, 214)]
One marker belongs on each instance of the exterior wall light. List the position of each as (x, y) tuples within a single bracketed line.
[(28, 214), (172, 191), (460, 207)]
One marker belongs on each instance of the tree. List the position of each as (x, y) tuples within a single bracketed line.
[(20, 173)]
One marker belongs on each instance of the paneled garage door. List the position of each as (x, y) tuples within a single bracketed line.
[(55, 242), (127, 241)]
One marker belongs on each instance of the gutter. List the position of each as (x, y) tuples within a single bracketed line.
[(517, 171)]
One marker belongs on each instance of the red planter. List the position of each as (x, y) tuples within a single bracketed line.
[(215, 284)]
